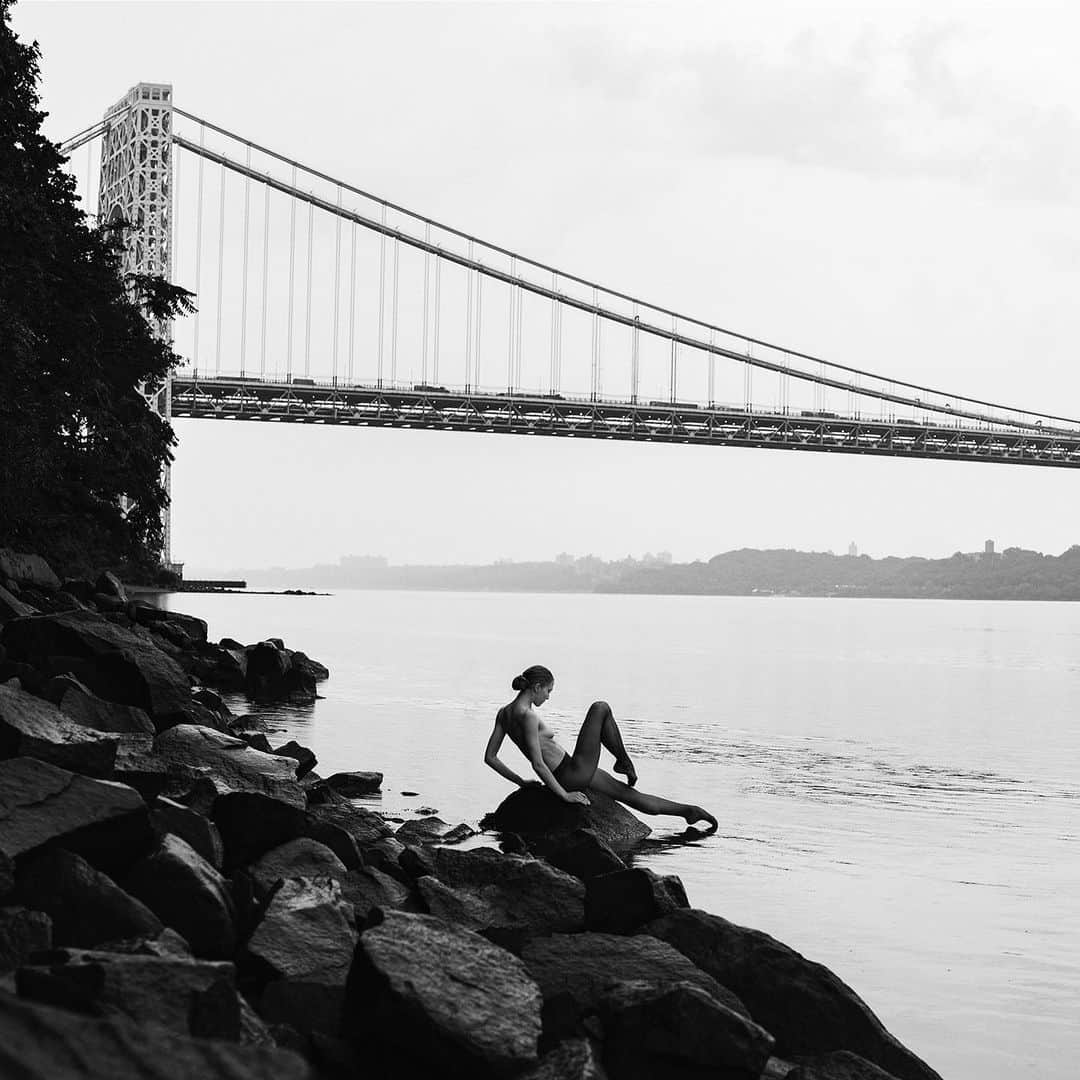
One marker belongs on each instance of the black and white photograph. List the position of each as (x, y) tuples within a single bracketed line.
[(538, 540)]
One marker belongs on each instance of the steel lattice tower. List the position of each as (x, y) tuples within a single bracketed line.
[(137, 187)]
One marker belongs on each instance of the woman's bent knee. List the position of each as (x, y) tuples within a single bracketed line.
[(600, 707)]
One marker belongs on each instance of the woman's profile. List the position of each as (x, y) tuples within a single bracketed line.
[(570, 775)]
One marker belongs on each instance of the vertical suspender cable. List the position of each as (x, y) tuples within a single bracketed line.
[(265, 276), (427, 291), (174, 217), (220, 271), (599, 356), (394, 322), (510, 329), (352, 298), (435, 328), (468, 321), (198, 252), (292, 278), (244, 272), (635, 357), (382, 298), (554, 307), (307, 312), (674, 376), (337, 282), (479, 318), (518, 377), (593, 374), (712, 369)]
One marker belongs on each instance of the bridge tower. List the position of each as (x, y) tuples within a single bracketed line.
[(137, 187)]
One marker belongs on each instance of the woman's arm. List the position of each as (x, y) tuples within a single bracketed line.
[(532, 744), (491, 757)]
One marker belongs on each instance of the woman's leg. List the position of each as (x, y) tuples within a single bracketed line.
[(599, 729), (649, 804)]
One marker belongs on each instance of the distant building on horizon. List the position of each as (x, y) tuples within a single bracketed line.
[(988, 549), (853, 550)]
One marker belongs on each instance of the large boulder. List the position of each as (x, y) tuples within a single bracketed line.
[(534, 812), (621, 902), (838, 1065), (189, 895), (230, 763), (32, 727), (169, 816), (23, 932), (87, 907), (177, 993), (575, 971), (368, 888), (299, 858), (803, 1004), (27, 569), (573, 1059), (94, 712), (581, 853), (40, 804), (219, 666), (676, 1031), (272, 676), (362, 825), (303, 756), (442, 996), (355, 785), (13, 608)]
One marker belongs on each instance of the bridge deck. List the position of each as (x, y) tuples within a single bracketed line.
[(307, 402)]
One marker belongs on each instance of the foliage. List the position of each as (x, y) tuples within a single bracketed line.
[(81, 451)]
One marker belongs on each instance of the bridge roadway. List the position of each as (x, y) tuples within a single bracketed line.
[(305, 401)]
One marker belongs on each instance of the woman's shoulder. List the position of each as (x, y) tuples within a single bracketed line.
[(512, 712)]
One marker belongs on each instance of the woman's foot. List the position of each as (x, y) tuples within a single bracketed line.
[(694, 814), (626, 767)]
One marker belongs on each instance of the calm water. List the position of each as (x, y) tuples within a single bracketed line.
[(897, 781)]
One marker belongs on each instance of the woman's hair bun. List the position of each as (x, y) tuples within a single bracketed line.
[(537, 675), (519, 683)]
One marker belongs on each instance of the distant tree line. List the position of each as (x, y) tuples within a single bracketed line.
[(81, 451)]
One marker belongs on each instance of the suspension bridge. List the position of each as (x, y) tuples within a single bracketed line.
[(322, 303)]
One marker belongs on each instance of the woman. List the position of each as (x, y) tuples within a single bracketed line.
[(569, 775)]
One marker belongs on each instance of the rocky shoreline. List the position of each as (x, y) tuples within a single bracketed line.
[(179, 898)]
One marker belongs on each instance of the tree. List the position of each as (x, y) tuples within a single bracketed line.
[(81, 451)]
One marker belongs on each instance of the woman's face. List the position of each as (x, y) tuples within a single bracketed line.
[(542, 693)]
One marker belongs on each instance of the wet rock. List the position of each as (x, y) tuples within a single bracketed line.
[(575, 971), (838, 1065), (368, 888), (355, 785), (86, 906), (34, 728), (256, 740), (176, 993), (108, 584), (54, 689), (457, 834), (27, 569), (213, 701), (574, 1059), (678, 1031), (803, 1004), (305, 758), (581, 853), (362, 825), (151, 774), (216, 665), (442, 996), (194, 629), (414, 862), (317, 671), (46, 1041), (94, 712), (169, 816), (189, 895), (533, 812), (11, 608), (272, 676), (230, 763), (302, 857), (423, 830), (22, 933), (621, 902), (7, 875), (106, 823)]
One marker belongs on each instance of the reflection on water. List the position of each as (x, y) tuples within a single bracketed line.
[(896, 781)]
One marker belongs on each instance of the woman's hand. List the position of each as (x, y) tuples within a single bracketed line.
[(578, 797)]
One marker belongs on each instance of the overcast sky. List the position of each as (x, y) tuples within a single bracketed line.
[(890, 186)]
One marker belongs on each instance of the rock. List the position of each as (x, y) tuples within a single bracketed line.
[(457, 834), (306, 938), (20, 676), (803, 1004), (621, 902), (11, 608), (218, 666), (317, 671), (7, 875), (362, 825), (189, 895), (34, 728), (106, 823), (368, 888), (151, 774), (23, 932), (54, 689), (109, 584), (838, 1065), (213, 701), (230, 763), (55, 1044), (443, 996), (252, 824), (305, 758), (169, 816), (93, 712), (574, 1059), (574, 971), (127, 666), (272, 676), (414, 862), (167, 944), (177, 993), (533, 811), (302, 857), (257, 741), (194, 629), (581, 853), (678, 1031), (87, 907), (422, 830), (27, 569), (81, 589), (355, 785)]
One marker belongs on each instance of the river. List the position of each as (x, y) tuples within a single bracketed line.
[(897, 781)]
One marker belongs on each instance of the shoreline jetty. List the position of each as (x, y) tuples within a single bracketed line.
[(179, 898)]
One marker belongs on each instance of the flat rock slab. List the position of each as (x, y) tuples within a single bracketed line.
[(362, 825), (355, 785), (575, 971), (807, 1008), (27, 569), (443, 996), (105, 822), (302, 857), (534, 812), (369, 888), (94, 712), (42, 1043), (230, 763), (32, 727)]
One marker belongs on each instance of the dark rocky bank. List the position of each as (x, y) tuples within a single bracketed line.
[(178, 898)]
